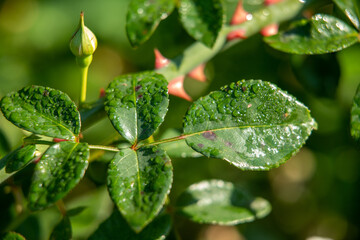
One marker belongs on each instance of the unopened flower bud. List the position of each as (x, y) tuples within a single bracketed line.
[(83, 43)]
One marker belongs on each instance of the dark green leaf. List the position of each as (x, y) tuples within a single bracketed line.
[(139, 182), (20, 158), (321, 34), (58, 171), (75, 211), (219, 202), (252, 124), (116, 228), (318, 74), (355, 115), (43, 111), (4, 145), (202, 19), (349, 8), (177, 149), (12, 236), (137, 104), (62, 230), (143, 17)]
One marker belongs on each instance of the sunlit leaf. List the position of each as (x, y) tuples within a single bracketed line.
[(202, 19), (321, 34), (143, 17), (42, 110), (137, 104), (252, 124), (20, 158), (139, 182), (59, 170), (116, 228), (219, 202)]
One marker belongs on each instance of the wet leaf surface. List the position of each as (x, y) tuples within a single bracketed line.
[(143, 17), (20, 158), (62, 230), (202, 19), (116, 228), (349, 7), (59, 170), (139, 182), (4, 145), (43, 111), (137, 104), (219, 202), (321, 34), (251, 124), (355, 115)]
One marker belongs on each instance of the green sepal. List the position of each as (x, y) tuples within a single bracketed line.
[(222, 203), (43, 111), (19, 158), (59, 170), (136, 104), (320, 34), (139, 182), (203, 20), (116, 228), (252, 124), (143, 17)]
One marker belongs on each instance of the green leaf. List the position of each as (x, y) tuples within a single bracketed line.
[(20, 158), (202, 19), (143, 17), (59, 170), (219, 202), (177, 149), (321, 34), (137, 104), (349, 8), (12, 236), (355, 115), (139, 182), (75, 211), (43, 111), (116, 228), (62, 230), (251, 124), (4, 145)]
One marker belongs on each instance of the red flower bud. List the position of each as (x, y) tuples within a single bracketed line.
[(176, 88), (198, 73), (160, 60), (270, 30)]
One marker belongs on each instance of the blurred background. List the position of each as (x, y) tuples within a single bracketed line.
[(316, 193)]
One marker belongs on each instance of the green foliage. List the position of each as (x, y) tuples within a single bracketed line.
[(115, 227), (355, 115), (137, 104), (59, 170), (62, 230), (350, 8), (139, 182), (143, 17), (252, 124), (321, 34), (12, 236), (19, 158), (202, 19), (219, 202), (44, 111)]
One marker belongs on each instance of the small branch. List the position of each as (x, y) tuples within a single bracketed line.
[(105, 148), (168, 140), (61, 206)]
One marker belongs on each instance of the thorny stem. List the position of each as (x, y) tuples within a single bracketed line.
[(106, 148)]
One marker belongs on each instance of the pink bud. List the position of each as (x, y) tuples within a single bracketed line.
[(239, 14), (176, 88), (102, 93), (270, 30), (160, 60), (198, 73), (269, 2), (240, 33)]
